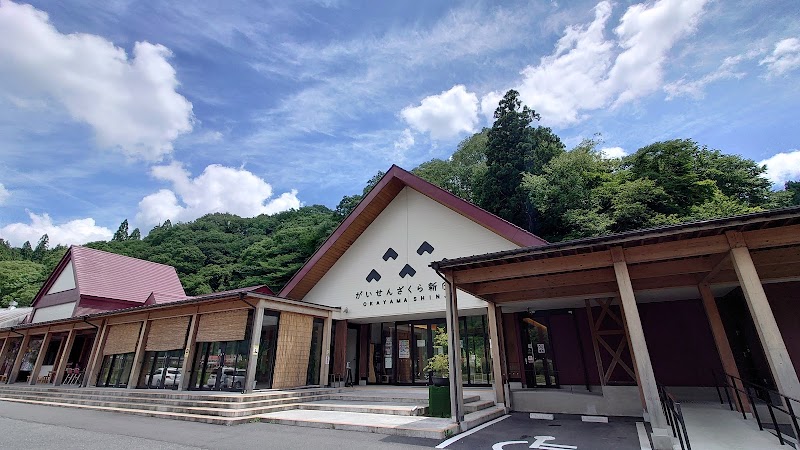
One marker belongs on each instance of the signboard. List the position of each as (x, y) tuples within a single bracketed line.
[(421, 343), (540, 348), (403, 349)]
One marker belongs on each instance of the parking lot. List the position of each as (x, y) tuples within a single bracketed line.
[(565, 432)]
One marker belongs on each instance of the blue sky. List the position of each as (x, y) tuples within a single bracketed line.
[(152, 110)]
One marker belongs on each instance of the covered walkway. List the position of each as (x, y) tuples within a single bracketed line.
[(702, 260)]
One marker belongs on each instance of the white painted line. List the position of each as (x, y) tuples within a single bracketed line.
[(541, 416), (595, 419), (468, 432), (644, 441)]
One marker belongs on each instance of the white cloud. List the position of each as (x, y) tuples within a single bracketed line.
[(405, 141), (613, 152), (445, 115), (217, 189), (726, 70), (4, 194), (78, 231), (783, 167), (489, 103), (587, 71), (131, 104), (784, 58)]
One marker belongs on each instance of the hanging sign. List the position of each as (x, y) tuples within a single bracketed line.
[(403, 349), (540, 348)]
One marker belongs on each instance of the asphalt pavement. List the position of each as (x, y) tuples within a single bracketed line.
[(565, 432), (24, 426)]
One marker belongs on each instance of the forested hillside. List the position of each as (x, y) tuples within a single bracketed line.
[(514, 169)]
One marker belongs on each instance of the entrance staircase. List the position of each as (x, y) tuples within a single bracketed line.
[(338, 408)]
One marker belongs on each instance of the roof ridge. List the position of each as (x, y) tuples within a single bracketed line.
[(121, 256)]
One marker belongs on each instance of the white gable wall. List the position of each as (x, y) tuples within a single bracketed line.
[(65, 280), (55, 312), (408, 221)]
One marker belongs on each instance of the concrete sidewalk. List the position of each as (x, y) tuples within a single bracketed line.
[(712, 426)]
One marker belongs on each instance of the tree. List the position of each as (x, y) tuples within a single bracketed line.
[(793, 187), (122, 232), (349, 202), (26, 250), (135, 235), (20, 281), (41, 248), (514, 148), (462, 173)]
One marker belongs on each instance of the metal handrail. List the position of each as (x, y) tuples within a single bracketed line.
[(755, 391), (674, 414)]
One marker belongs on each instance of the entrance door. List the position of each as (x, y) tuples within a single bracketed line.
[(539, 368), (351, 357), (265, 366)]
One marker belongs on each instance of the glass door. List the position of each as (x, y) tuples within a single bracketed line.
[(405, 369), (539, 369), (422, 351), (265, 366)]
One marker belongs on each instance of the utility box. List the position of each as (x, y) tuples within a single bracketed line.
[(439, 401)]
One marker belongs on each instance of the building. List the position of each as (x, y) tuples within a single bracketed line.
[(583, 327)]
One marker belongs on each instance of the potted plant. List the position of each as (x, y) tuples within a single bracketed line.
[(439, 366)]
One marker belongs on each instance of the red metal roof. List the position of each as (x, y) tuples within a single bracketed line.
[(108, 275), (378, 198)]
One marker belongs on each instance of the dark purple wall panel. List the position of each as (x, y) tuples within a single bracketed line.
[(680, 342), (784, 298)]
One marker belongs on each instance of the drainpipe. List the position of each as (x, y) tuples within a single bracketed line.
[(90, 323), (16, 332), (242, 299)]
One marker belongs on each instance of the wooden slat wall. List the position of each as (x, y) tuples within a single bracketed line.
[(167, 334), (222, 326), (122, 338), (294, 346)]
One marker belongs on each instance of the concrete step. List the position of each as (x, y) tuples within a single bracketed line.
[(477, 405), (216, 420), (171, 395), (474, 419), (412, 426), (421, 398), (365, 407), (67, 397), (239, 411)]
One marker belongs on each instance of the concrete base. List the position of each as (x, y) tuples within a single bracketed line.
[(614, 401)]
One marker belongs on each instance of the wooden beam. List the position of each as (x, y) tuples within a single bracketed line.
[(37, 366), (61, 366), (722, 262), (772, 237), (535, 267), (684, 248), (767, 274), (639, 351), (783, 371), (721, 338), (590, 276), (188, 352), (588, 290), (138, 355), (493, 316)]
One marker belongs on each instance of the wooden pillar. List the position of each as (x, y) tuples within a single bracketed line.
[(662, 435), (138, 356), (504, 358), (3, 349), (325, 361), (12, 378), (37, 367), (783, 370), (188, 353), (61, 365), (255, 342), (97, 354), (454, 353), (721, 338), (494, 339)]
